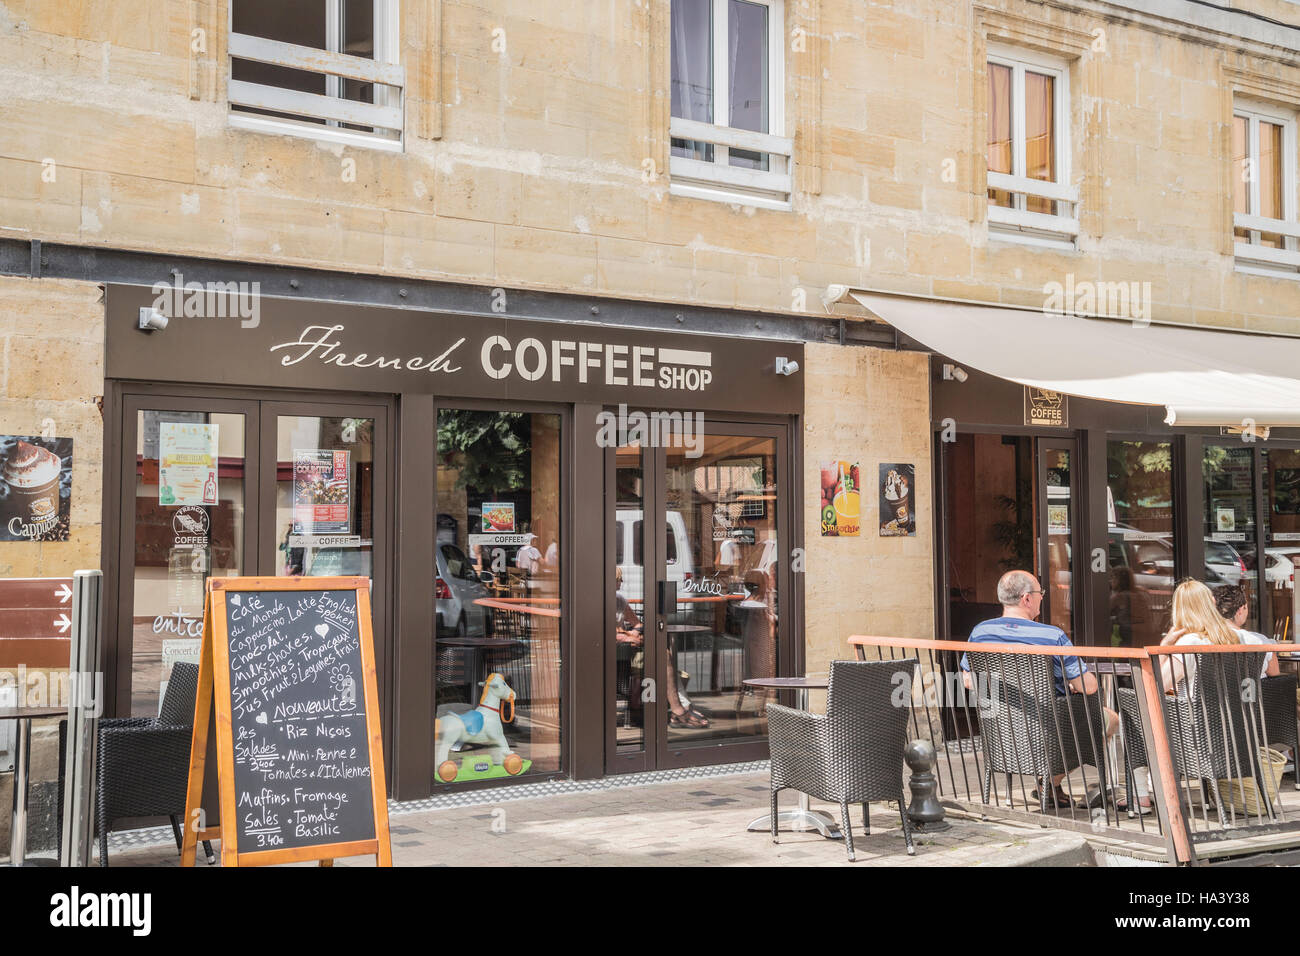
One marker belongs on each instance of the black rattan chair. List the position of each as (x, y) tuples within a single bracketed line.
[(854, 752), (144, 762), (1213, 734), (1279, 698), (1026, 727)]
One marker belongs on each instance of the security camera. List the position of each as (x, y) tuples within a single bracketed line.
[(785, 366), (151, 320), (954, 373)]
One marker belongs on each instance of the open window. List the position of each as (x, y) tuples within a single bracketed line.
[(728, 97), (327, 69), (1029, 193), (1266, 235)]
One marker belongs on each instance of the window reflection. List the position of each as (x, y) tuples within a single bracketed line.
[(497, 595)]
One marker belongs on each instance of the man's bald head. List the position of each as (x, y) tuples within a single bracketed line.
[(1013, 586)]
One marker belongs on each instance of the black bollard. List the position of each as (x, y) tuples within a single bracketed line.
[(925, 811)]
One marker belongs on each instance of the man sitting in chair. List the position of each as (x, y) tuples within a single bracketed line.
[(1021, 598)]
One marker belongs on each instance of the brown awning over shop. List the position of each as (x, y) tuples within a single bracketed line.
[(1201, 376)]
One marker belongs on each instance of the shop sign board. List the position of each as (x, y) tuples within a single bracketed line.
[(337, 346), (288, 665), (35, 621), (1045, 407)]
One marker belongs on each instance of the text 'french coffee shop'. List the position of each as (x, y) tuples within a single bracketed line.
[(600, 514)]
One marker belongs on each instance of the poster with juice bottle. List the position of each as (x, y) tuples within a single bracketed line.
[(841, 507)]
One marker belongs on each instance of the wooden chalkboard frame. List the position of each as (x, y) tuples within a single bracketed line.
[(214, 683)]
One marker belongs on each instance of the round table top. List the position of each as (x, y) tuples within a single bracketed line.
[(687, 628), (24, 713), (789, 683)]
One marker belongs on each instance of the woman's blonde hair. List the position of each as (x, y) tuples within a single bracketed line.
[(1194, 610)]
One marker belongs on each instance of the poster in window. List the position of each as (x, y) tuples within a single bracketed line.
[(187, 464), (35, 488), (841, 508), (498, 517), (897, 514), (322, 492)]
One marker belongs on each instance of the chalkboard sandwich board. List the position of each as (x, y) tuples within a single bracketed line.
[(290, 665)]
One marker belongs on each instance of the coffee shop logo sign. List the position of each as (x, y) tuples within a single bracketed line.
[(530, 359)]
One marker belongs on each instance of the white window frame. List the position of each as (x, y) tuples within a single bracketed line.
[(718, 180), (1250, 256), (1018, 224), (386, 114)]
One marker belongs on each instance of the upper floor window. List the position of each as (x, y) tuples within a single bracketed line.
[(1029, 195), (328, 69), (1264, 227), (728, 97)]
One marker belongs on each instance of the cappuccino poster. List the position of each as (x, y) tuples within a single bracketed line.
[(841, 499), (35, 488), (897, 510)]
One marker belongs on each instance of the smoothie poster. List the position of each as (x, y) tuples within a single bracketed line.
[(897, 514), (187, 463), (322, 492), (35, 488), (841, 500)]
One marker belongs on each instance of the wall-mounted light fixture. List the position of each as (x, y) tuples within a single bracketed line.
[(785, 366), (954, 373), (151, 320)]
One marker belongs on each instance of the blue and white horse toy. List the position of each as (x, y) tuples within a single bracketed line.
[(484, 725)]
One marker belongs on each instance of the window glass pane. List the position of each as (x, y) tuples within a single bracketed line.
[(1060, 577), (1270, 170), (692, 71), (357, 38), (302, 22), (1281, 535), (748, 81), (1230, 543), (179, 540), (324, 505), (999, 145), (1141, 540), (1040, 136), (721, 525), (497, 651), (629, 600), (1240, 166)]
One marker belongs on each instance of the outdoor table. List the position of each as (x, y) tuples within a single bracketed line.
[(804, 818), (22, 767)]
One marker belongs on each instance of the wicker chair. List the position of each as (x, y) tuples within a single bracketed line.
[(144, 762), (1199, 725), (851, 754), (1279, 698), (1031, 729)]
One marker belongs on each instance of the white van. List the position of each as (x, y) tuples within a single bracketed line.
[(680, 566)]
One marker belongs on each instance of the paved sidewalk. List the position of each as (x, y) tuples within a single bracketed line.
[(699, 822)]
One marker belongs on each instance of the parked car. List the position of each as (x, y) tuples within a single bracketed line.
[(457, 587)]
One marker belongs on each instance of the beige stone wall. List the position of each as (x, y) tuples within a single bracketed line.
[(115, 133), (868, 406), (52, 373)]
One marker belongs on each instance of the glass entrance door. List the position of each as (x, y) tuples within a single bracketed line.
[(695, 537), (221, 486)]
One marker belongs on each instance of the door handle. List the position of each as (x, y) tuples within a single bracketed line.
[(661, 626)]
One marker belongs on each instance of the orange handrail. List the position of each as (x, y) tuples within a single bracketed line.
[(511, 604), (1128, 653)]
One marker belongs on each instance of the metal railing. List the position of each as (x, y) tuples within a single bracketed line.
[(1012, 740)]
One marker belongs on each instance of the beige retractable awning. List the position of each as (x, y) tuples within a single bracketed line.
[(1202, 377)]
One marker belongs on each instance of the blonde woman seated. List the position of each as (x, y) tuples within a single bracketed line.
[(1195, 620)]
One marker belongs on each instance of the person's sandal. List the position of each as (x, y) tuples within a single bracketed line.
[(696, 719), (1060, 798)]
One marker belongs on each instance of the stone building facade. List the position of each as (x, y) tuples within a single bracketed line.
[(531, 153)]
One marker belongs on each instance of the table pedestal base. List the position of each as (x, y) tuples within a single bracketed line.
[(799, 821)]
